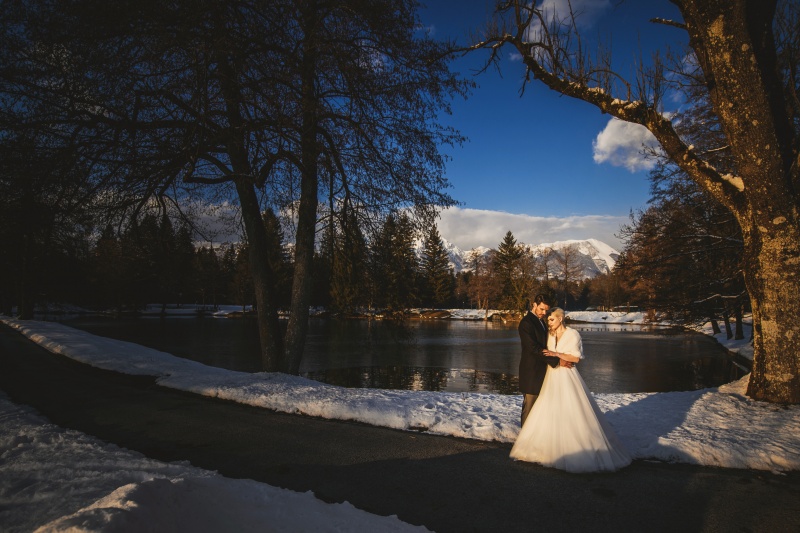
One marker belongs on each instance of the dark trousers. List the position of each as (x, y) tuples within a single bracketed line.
[(527, 403)]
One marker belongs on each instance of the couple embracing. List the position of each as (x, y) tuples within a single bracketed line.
[(562, 426)]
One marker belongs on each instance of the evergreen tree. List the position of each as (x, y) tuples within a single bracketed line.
[(241, 286), (108, 266), (227, 272), (182, 263), (405, 274), (349, 266), (207, 277), (279, 260), (380, 259), (436, 276), (323, 265), (523, 279), (394, 265), (505, 263)]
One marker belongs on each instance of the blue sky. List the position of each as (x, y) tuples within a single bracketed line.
[(535, 164)]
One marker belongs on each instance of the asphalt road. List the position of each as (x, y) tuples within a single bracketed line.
[(443, 483)]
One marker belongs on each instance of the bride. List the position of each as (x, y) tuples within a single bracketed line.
[(566, 429)]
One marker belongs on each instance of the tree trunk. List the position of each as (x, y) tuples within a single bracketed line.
[(736, 50), (739, 331), (261, 270), (726, 318), (773, 280), (303, 274), (307, 212), (263, 279)]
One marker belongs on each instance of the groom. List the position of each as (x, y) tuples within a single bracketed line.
[(533, 363)]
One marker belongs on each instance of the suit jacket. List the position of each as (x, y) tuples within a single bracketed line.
[(532, 363)]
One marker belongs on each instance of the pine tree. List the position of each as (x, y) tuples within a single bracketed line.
[(348, 267), (436, 275), (241, 287), (406, 271), (280, 263), (393, 265), (108, 270), (207, 276), (505, 262)]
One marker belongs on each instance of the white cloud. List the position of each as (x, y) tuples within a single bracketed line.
[(469, 228), (621, 143), (586, 13)]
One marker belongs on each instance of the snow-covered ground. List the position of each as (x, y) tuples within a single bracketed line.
[(42, 464), (57, 479)]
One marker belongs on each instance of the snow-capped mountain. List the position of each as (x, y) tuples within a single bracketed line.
[(595, 257), (458, 258)]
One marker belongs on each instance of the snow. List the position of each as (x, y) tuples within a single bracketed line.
[(57, 479), (42, 465), (603, 256)]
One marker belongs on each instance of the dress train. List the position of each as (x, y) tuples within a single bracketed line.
[(567, 430)]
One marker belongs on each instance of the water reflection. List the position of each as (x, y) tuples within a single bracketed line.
[(419, 379), (440, 355)]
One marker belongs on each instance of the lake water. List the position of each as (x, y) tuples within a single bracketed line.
[(439, 355)]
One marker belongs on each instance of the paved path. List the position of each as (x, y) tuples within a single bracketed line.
[(443, 483)]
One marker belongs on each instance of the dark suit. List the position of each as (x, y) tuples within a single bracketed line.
[(532, 364)]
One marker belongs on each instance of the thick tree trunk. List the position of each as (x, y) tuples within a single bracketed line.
[(297, 328), (772, 275), (307, 214), (263, 275), (263, 279), (736, 50)]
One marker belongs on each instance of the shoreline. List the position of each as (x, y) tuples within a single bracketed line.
[(740, 350)]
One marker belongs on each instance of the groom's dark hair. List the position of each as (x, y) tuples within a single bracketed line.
[(539, 298)]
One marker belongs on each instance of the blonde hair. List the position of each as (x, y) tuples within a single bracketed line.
[(558, 312)]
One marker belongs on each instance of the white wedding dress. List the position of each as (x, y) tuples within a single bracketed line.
[(566, 429)]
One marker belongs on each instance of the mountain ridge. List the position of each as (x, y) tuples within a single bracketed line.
[(595, 256)]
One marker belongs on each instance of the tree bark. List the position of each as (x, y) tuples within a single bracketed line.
[(772, 275), (736, 49), (307, 212), (263, 279), (260, 267), (739, 328)]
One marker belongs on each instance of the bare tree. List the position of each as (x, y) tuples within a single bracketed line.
[(754, 93), (483, 284), (263, 103), (567, 260)]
